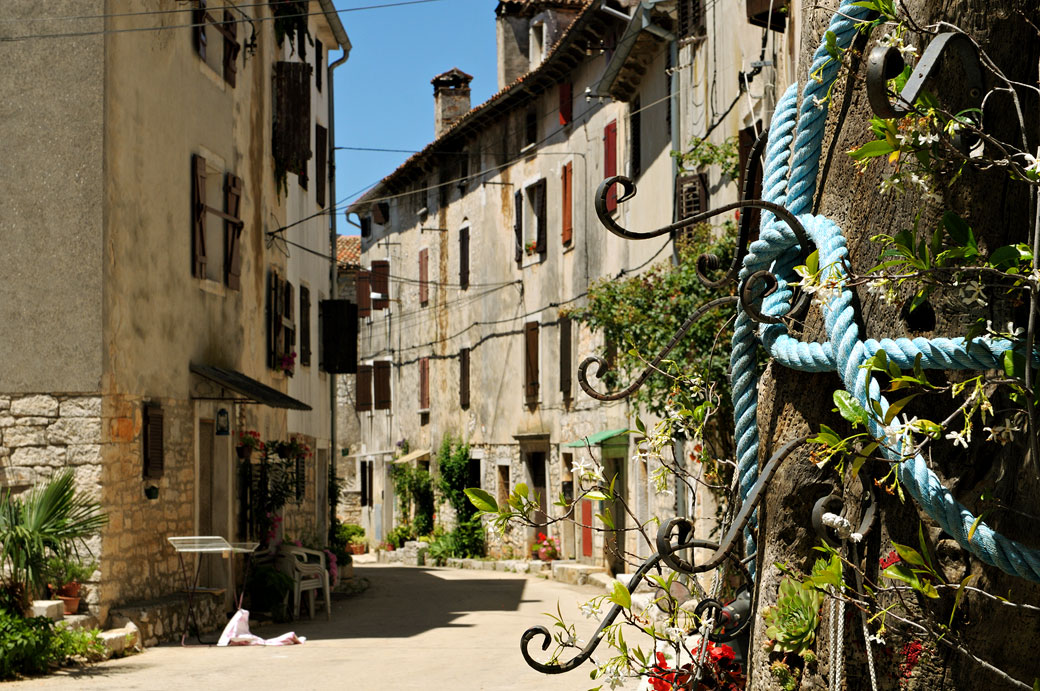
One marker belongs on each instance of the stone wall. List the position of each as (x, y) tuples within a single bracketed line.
[(349, 507)]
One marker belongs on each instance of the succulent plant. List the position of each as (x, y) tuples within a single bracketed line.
[(792, 622)]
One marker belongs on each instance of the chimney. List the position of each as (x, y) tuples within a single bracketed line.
[(450, 99)]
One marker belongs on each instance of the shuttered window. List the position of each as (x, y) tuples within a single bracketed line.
[(364, 293), (230, 214), (152, 440), (232, 231), (610, 161), (229, 29), (565, 356), (291, 140), (198, 216), (691, 195), (464, 258), (531, 127), (531, 363), (518, 225), (365, 485), (305, 326), (691, 18), (381, 384), (319, 63), (566, 202), (635, 123), (380, 284), (424, 383), (281, 328), (321, 157), (424, 267), (566, 110), (363, 395), (538, 203), (198, 29), (464, 378)]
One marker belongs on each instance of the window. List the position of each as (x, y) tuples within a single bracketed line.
[(363, 384), (213, 228), (566, 103), (366, 226), (305, 326), (758, 13), (152, 440), (536, 45), (291, 141), (565, 356), (610, 161), (424, 384), (635, 125), (321, 147), (518, 225), (566, 204), (691, 18), (503, 485), (531, 226), (745, 143), (380, 281), (319, 63), (531, 127), (531, 363), (281, 331), (208, 33), (363, 291), (424, 286), (464, 258), (464, 378), (381, 384), (691, 195), (366, 482)]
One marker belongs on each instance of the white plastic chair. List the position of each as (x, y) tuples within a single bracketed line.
[(307, 569)]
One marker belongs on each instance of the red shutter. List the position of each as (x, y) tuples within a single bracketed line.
[(381, 284), (363, 394), (424, 383), (231, 48), (531, 362), (566, 111), (565, 356), (153, 440), (610, 161), (541, 217), (198, 216), (381, 372), (424, 287), (586, 527), (232, 231), (321, 157), (464, 258), (518, 225), (567, 234), (364, 294), (464, 378)]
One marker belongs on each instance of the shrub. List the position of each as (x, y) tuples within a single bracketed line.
[(401, 534), (31, 645), (268, 588)]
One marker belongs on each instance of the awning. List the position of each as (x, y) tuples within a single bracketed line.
[(597, 438), (421, 454), (250, 389)]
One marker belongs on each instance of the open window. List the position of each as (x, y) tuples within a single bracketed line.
[(281, 327), (531, 224), (216, 230), (215, 37)]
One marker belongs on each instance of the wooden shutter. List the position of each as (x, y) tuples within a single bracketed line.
[(566, 186), (364, 293), (198, 216), (274, 320), (288, 320), (231, 47), (541, 217), (305, 325), (566, 109), (464, 258), (319, 62), (531, 362), (464, 378), (381, 374), (321, 157), (610, 161), (198, 20), (691, 195), (518, 225), (232, 231), (635, 123), (381, 284), (364, 482), (424, 383), (363, 386), (745, 143), (424, 267), (291, 143), (152, 442), (691, 18), (565, 356)]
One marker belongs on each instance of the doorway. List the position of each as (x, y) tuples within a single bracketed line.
[(614, 540), (214, 501)]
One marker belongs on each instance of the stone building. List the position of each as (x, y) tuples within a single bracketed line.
[(154, 280), (348, 425)]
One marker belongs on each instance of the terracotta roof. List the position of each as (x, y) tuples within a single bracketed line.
[(348, 249)]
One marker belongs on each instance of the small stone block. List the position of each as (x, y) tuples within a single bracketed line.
[(52, 609)]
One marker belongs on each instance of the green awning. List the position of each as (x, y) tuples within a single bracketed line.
[(597, 438)]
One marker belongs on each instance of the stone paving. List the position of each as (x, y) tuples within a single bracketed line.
[(414, 628)]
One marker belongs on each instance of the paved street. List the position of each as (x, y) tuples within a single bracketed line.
[(412, 629)]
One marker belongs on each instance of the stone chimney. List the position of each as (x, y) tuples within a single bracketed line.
[(450, 99)]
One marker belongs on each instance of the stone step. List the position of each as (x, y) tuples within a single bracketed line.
[(52, 609), (85, 622), (568, 571), (121, 641)]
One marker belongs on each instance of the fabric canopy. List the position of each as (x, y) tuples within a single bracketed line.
[(597, 438)]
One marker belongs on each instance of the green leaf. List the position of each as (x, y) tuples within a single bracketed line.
[(900, 572), (850, 408), (620, 596), (924, 547), (960, 595), (976, 522), (606, 518), (879, 147), (909, 555), (596, 495), (958, 229), (812, 262), (482, 500), (897, 407), (831, 45), (521, 490), (861, 458)]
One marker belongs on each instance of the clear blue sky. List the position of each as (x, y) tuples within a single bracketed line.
[(383, 94)]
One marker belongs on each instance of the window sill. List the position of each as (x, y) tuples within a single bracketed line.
[(528, 150), (530, 260), (567, 249), (208, 285), (216, 77)]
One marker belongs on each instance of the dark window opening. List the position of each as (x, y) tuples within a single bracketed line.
[(464, 258), (635, 123), (531, 127), (319, 62), (565, 356), (691, 18), (464, 378), (152, 441), (531, 363), (305, 326)]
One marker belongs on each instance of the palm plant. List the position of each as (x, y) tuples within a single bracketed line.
[(50, 519)]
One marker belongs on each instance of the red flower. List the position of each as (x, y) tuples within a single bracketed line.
[(891, 558)]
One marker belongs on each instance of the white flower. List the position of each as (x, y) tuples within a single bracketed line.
[(959, 438), (590, 609), (675, 634), (907, 51), (819, 103), (889, 183), (1033, 164), (971, 293), (877, 640), (929, 138), (888, 40), (897, 433), (588, 470), (1002, 434), (808, 282), (567, 638)]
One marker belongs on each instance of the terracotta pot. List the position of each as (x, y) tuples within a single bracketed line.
[(71, 603), (358, 549), (244, 452), (69, 590)]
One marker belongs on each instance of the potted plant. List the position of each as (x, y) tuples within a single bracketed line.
[(65, 575), (545, 548), (248, 441)]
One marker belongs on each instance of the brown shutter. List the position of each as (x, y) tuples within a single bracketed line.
[(566, 110), (565, 356), (464, 258), (531, 362), (364, 293), (198, 216), (321, 157), (291, 137), (198, 20), (691, 18), (381, 284), (231, 48), (610, 161), (319, 54), (381, 372), (518, 225), (288, 322), (305, 325), (152, 442), (424, 267), (363, 388), (567, 235), (274, 320), (541, 218), (424, 383), (635, 123), (232, 231), (691, 195), (464, 378)]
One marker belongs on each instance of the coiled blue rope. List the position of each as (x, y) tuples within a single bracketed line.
[(790, 178)]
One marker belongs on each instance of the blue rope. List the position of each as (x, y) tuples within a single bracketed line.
[(790, 178)]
